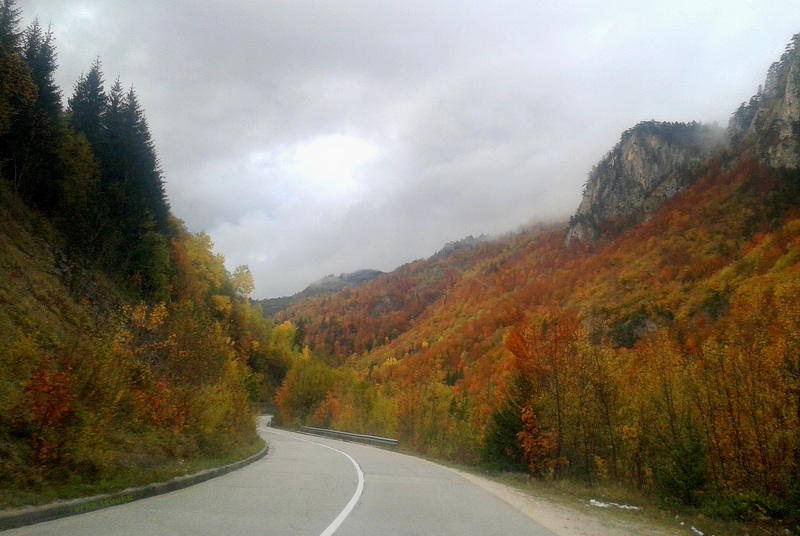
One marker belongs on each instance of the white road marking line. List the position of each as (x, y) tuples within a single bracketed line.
[(356, 496)]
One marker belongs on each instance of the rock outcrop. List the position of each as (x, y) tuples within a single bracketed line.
[(770, 122), (652, 162)]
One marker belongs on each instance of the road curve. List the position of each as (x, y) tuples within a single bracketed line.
[(310, 486)]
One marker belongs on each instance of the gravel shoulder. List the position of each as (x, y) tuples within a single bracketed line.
[(566, 520)]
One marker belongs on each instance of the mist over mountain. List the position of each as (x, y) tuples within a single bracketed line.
[(330, 284)]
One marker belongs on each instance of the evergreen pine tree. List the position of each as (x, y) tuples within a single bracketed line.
[(111, 149), (17, 94), (149, 182), (40, 55), (37, 137), (149, 210), (88, 104), (131, 171), (9, 26)]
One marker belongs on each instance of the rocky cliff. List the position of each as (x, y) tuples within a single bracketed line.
[(770, 123), (653, 161)]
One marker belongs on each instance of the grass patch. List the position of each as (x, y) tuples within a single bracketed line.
[(131, 478)]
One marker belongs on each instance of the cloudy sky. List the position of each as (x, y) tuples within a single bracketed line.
[(311, 137)]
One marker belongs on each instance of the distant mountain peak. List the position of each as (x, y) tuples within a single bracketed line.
[(334, 283), (449, 248), (330, 284)]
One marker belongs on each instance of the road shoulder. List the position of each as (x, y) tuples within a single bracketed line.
[(566, 520)]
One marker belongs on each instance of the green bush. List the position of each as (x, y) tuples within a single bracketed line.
[(683, 475), (748, 506)]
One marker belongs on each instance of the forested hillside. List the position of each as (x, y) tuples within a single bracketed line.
[(127, 351), (330, 284), (652, 343), (664, 355)]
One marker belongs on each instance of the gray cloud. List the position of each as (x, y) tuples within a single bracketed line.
[(313, 137)]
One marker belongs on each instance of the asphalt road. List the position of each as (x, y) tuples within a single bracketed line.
[(309, 486)]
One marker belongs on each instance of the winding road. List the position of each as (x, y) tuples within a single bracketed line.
[(309, 486)]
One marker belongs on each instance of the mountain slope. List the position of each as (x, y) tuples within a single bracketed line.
[(664, 355), (128, 353), (330, 284)]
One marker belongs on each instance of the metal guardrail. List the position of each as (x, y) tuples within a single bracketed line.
[(347, 436)]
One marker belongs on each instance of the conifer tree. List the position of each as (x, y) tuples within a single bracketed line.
[(9, 26), (130, 165), (37, 133), (148, 183), (88, 104), (134, 195), (40, 54), (110, 150), (17, 94)]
